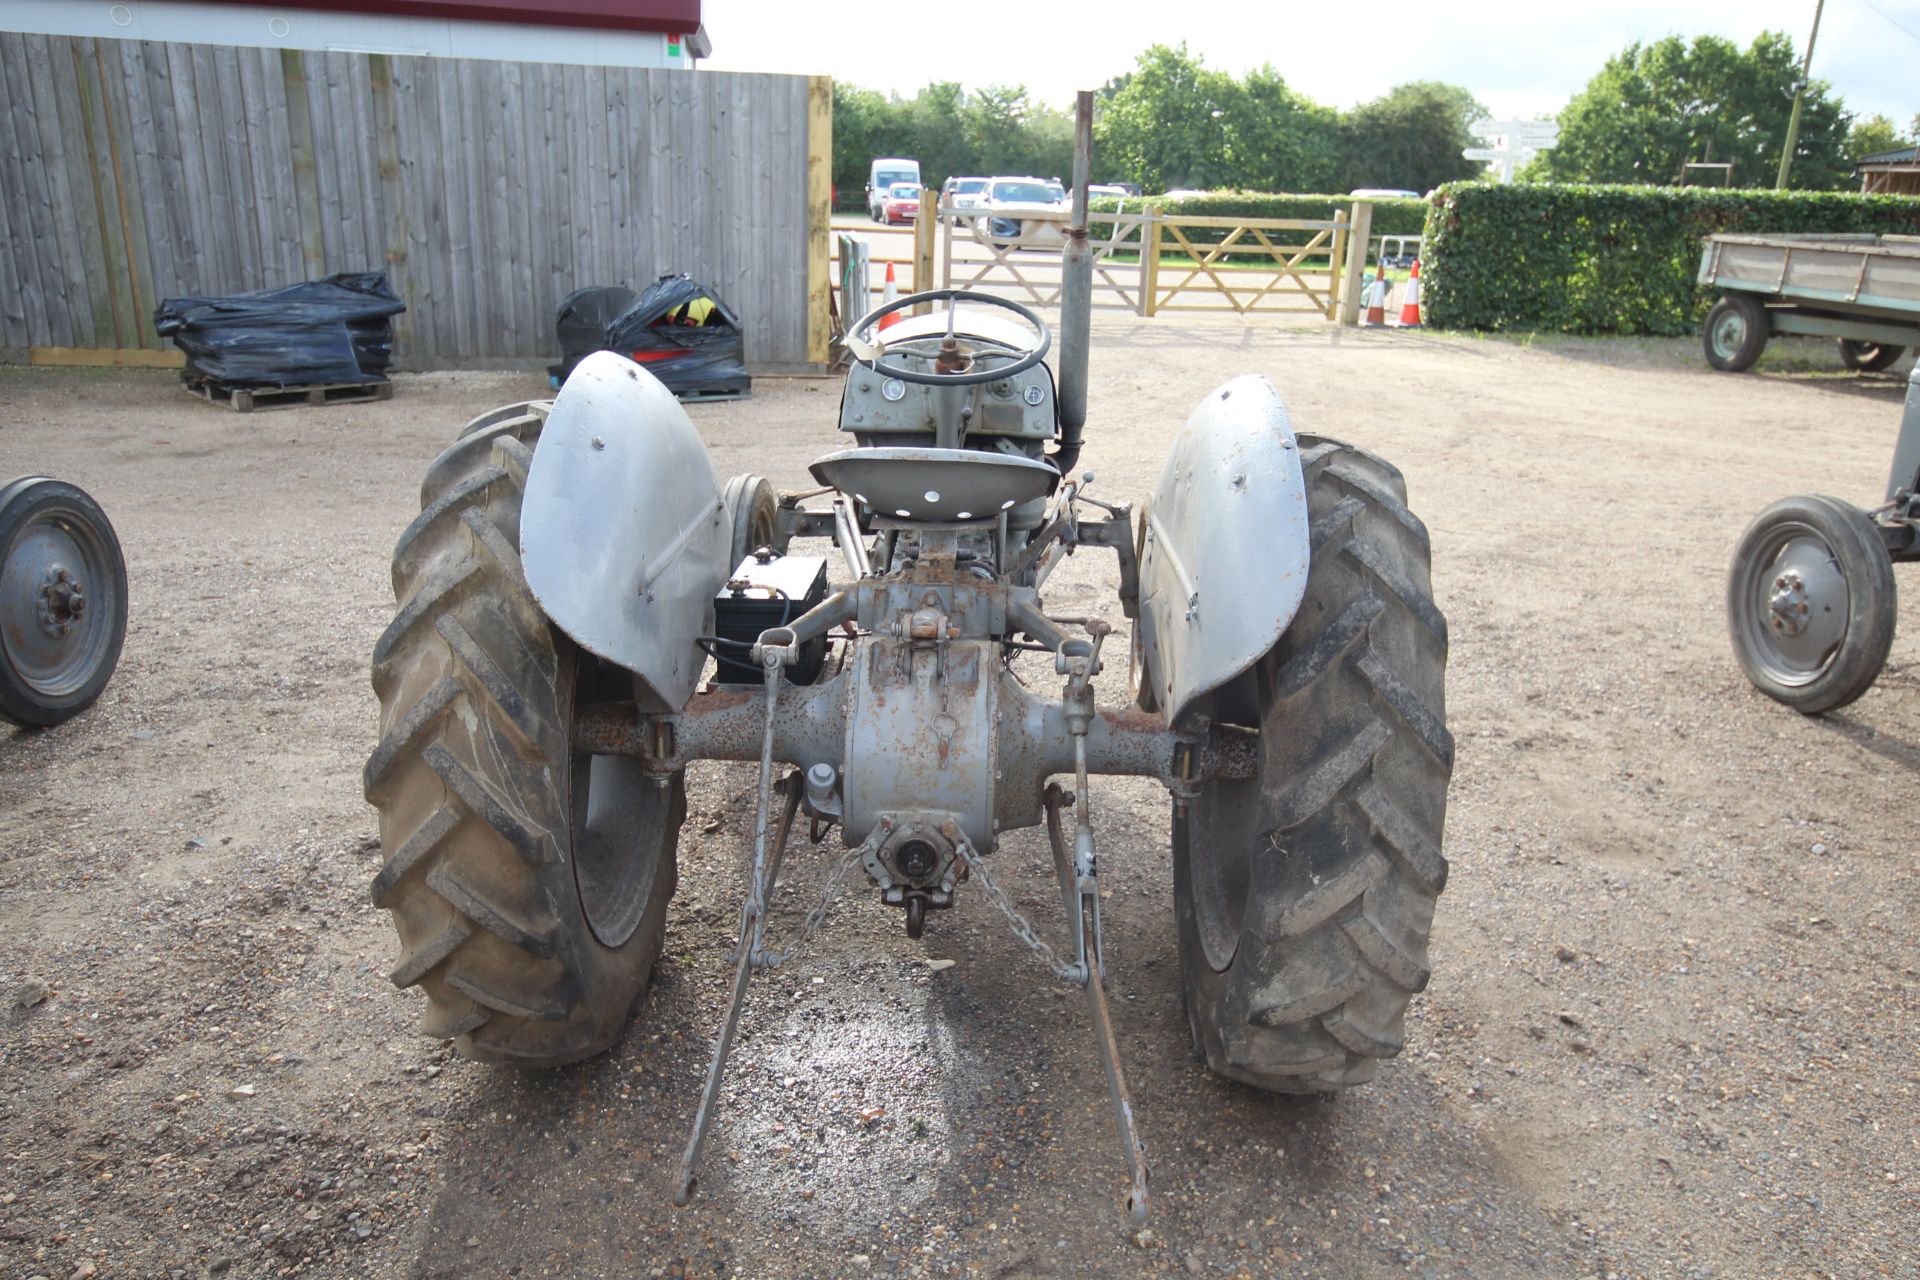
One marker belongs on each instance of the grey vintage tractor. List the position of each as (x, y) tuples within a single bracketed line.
[(585, 611), (63, 601)]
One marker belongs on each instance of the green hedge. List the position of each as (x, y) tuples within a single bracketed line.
[(1390, 217), (1607, 259)]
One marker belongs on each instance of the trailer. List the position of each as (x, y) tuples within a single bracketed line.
[(1863, 290)]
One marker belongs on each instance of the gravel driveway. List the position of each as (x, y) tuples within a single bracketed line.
[(1671, 1029)]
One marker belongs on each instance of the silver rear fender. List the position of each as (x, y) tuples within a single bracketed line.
[(623, 532)]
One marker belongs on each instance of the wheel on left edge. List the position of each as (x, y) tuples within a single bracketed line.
[(63, 601)]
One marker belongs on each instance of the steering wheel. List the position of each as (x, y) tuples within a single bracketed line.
[(869, 353)]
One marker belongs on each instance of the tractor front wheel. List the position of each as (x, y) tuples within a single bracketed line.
[(528, 881), (1305, 893)]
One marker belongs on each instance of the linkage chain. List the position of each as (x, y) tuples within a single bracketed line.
[(769, 959), (978, 866)]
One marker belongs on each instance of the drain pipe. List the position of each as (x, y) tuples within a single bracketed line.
[(1076, 296)]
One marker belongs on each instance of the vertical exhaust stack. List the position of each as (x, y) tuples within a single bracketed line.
[(1076, 295)]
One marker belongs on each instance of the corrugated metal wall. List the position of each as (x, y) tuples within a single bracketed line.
[(133, 170)]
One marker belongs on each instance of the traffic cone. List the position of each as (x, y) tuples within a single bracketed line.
[(887, 297), (1410, 309), (1377, 298)]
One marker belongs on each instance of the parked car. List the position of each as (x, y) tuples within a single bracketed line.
[(900, 204), (883, 175), (1006, 213), (962, 193), (1108, 190)]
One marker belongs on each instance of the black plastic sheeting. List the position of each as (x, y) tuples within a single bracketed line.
[(336, 330), (691, 359)]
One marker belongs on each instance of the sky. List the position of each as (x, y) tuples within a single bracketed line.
[(1521, 58)]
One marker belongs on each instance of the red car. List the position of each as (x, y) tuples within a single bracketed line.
[(900, 204)]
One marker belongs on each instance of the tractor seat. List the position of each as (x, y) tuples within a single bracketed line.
[(936, 486)]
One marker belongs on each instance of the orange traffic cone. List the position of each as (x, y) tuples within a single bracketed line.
[(1410, 309), (1377, 298), (887, 297)]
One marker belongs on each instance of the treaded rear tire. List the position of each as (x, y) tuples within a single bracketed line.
[(491, 849), (1305, 894)]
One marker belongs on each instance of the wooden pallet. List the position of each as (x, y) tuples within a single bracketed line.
[(700, 397), (247, 399)]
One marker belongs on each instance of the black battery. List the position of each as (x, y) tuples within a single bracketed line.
[(767, 591)]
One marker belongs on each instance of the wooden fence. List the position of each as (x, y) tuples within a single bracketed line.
[(136, 170)]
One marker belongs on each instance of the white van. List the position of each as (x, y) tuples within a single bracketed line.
[(884, 173)]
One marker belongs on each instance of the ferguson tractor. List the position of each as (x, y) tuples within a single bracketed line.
[(585, 611)]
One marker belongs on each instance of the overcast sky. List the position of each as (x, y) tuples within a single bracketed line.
[(1519, 57)]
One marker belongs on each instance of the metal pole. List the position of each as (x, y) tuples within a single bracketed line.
[(1076, 294), (1799, 94)]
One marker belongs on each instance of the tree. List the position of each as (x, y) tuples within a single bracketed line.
[(1871, 135), (1655, 108), (1412, 137), (1279, 140), (1162, 126)]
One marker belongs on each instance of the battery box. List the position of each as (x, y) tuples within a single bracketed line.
[(767, 591)]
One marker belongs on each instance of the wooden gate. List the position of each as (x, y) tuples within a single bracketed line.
[(1150, 262)]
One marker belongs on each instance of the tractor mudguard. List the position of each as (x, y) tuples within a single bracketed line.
[(1224, 564), (623, 531)]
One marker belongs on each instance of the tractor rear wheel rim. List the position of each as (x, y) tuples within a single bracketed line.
[(56, 611), (619, 817), (1797, 603)]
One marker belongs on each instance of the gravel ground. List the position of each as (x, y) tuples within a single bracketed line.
[(1671, 1029)]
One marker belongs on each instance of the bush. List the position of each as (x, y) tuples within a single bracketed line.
[(1390, 217), (1607, 259)]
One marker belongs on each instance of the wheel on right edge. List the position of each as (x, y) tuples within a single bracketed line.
[(1305, 893), (1868, 357), (1810, 603), (1736, 332)]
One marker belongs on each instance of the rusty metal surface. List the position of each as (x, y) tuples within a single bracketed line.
[(1226, 555)]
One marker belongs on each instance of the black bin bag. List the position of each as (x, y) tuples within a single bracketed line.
[(320, 332), (676, 328)]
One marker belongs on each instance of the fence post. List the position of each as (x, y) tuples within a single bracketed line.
[(1356, 261), (819, 215), (1150, 260), (923, 249), (1336, 263)]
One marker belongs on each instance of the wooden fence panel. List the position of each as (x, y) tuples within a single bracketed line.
[(132, 171)]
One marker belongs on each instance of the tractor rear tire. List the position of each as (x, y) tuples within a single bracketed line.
[(1868, 357), (528, 882), (1305, 894)]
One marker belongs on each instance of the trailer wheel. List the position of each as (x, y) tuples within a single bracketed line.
[(1305, 894), (1736, 332), (1810, 603), (1868, 357), (528, 881), (63, 601)]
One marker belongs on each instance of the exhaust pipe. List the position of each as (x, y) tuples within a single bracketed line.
[(1076, 295)]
